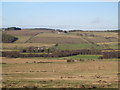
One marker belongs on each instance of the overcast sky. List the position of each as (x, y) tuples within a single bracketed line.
[(61, 15)]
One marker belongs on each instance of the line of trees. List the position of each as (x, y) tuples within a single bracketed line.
[(115, 54), (113, 31), (61, 53)]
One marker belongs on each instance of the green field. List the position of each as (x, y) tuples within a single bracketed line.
[(78, 46), (83, 57)]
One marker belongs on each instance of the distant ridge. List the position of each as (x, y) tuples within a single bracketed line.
[(42, 29), (113, 30)]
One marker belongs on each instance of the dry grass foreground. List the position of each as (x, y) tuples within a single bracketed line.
[(55, 73)]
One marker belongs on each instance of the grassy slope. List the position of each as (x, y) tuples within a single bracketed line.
[(23, 39), (18, 46), (68, 41), (59, 74), (78, 46)]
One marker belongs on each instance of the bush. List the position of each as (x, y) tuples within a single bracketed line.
[(114, 54), (8, 38)]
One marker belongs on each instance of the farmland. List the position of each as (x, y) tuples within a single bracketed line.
[(18, 46), (78, 46), (70, 60), (57, 73), (59, 45), (71, 40)]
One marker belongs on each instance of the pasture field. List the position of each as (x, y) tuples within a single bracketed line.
[(23, 39), (19, 46), (86, 71), (78, 46), (71, 40), (26, 32), (57, 73), (102, 34)]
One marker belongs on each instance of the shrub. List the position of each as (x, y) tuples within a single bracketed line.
[(8, 38)]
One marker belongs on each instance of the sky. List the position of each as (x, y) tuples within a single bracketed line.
[(61, 15)]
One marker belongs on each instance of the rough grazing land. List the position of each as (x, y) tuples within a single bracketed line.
[(57, 73), (18, 46), (80, 71), (72, 40)]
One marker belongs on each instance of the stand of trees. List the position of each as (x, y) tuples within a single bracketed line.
[(12, 28), (75, 30)]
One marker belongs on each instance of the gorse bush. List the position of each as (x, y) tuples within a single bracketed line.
[(111, 54), (8, 38)]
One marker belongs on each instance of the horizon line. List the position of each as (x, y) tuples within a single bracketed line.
[(58, 28)]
